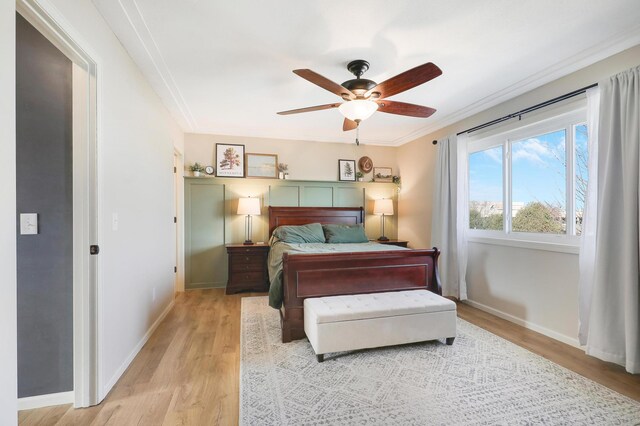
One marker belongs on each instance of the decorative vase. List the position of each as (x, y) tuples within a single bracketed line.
[(281, 175), (360, 179), (196, 174), (286, 175)]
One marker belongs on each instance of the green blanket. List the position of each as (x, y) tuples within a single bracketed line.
[(278, 248)]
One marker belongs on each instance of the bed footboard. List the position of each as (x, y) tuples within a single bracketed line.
[(318, 275)]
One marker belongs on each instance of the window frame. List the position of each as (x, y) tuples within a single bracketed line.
[(566, 117)]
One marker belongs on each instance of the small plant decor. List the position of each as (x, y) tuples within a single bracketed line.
[(360, 176), (397, 181), (196, 169), (282, 170)]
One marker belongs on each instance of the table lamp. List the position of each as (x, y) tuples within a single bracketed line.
[(250, 207), (384, 208)]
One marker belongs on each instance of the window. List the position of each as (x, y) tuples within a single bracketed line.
[(581, 172), (485, 189), (529, 183), (538, 183)]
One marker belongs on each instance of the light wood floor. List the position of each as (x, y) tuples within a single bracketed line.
[(188, 372)]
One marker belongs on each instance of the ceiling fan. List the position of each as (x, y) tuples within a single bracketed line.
[(363, 97)]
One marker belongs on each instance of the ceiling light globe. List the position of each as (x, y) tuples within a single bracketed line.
[(358, 109)]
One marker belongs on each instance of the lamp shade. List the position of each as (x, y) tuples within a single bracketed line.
[(384, 206), (249, 206), (358, 109)]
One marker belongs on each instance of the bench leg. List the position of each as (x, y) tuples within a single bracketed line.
[(320, 357), (450, 340)]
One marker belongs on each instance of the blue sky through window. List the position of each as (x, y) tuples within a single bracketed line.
[(538, 168), (485, 175)]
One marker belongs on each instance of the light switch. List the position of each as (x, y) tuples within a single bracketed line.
[(28, 223), (114, 221)]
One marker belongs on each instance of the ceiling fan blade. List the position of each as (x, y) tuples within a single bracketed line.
[(325, 83), (309, 109), (407, 80), (349, 125), (402, 108)]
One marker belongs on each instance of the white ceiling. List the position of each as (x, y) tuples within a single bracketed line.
[(224, 66)]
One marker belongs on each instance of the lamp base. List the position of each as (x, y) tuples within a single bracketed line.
[(383, 238), (248, 243)]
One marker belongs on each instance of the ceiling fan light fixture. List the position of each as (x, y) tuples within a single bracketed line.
[(358, 109)]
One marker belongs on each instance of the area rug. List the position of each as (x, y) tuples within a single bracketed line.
[(481, 379)]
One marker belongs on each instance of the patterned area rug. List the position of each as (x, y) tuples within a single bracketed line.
[(481, 380)]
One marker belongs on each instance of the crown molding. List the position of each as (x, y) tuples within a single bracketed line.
[(173, 95), (607, 48)]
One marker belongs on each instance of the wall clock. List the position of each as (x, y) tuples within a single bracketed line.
[(208, 170), (365, 164)]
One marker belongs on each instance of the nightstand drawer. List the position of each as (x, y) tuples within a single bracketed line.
[(240, 278), (247, 258), (247, 263)]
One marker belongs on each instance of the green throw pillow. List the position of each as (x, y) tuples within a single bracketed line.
[(344, 233), (311, 233)]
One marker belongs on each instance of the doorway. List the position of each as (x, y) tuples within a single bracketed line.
[(59, 286)]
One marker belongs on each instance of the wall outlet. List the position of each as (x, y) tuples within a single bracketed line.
[(114, 221)]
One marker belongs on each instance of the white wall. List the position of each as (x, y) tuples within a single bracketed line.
[(136, 140), (8, 328), (306, 160), (536, 288)]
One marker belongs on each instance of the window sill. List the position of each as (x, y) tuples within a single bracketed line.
[(532, 245)]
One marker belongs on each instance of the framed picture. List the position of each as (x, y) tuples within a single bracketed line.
[(347, 170), (382, 174), (229, 160), (261, 165)]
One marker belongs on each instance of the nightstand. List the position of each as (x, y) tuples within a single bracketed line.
[(399, 243), (247, 268)]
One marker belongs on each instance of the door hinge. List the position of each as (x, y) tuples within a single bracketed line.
[(175, 269), (94, 249), (175, 219), (175, 170)]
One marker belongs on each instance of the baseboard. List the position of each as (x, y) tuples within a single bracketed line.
[(111, 383), (39, 401), (203, 286), (526, 324)]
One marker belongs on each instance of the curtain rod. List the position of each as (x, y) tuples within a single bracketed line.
[(526, 110)]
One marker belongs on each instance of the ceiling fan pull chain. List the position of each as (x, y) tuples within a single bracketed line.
[(358, 135)]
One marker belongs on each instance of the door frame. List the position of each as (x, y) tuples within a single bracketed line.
[(178, 200), (86, 290)]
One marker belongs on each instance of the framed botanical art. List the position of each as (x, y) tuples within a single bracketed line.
[(382, 174), (261, 165), (347, 170), (229, 160)]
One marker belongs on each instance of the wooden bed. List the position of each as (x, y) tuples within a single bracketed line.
[(317, 275)]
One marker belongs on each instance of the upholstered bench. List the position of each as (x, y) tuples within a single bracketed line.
[(344, 323)]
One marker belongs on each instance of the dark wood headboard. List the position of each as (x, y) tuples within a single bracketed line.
[(279, 216)]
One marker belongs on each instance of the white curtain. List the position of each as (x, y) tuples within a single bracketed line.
[(449, 218), (614, 314), (587, 258)]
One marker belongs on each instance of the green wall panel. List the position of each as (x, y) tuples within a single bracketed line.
[(317, 196), (284, 195), (205, 263), (211, 220), (349, 197)]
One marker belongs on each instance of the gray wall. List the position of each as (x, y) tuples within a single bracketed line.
[(44, 186)]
